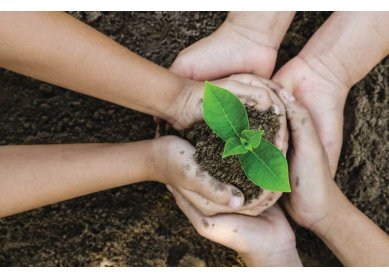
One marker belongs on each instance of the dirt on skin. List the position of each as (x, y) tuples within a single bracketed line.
[(140, 225), (209, 149)]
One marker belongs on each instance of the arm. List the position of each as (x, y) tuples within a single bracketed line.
[(247, 42), (338, 55), (352, 236), (317, 203), (349, 45), (57, 48), (34, 176)]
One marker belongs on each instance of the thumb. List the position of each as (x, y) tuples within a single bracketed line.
[(303, 133), (182, 66)]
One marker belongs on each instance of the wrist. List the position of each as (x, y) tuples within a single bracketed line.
[(186, 108), (288, 257), (338, 205), (265, 28)]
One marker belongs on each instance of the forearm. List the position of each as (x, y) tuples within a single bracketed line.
[(353, 237), (267, 28), (57, 48), (34, 176), (348, 45)]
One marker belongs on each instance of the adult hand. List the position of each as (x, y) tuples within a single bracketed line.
[(265, 240)]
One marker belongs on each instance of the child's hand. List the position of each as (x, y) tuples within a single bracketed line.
[(266, 240), (324, 96), (254, 91), (313, 190), (174, 165), (229, 50)]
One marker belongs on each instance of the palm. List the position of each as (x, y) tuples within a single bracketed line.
[(270, 230), (324, 100)]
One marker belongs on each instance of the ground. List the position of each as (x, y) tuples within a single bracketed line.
[(139, 225)]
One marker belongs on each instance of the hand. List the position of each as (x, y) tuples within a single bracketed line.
[(313, 195), (266, 240), (324, 96), (231, 49), (174, 165), (251, 90), (258, 92)]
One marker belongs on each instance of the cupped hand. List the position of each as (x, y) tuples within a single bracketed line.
[(253, 91), (313, 190), (229, 50), (265, 240), (323, 95), (174, 165)]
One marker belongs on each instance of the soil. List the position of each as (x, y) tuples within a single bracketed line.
[(209, 149), (140, 225)]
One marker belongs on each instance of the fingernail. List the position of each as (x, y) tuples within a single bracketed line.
[(236, 199), (276, 109), (287, 95), (169, 188)]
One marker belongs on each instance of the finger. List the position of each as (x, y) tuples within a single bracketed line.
[(256, 207), (221, 228), (204, 205), (191, 177), (282, 136), (281, 139), (303, 132), (255, 96), (190, 212), (201, 182)]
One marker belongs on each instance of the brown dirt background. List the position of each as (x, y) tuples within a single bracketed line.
[(139, 225)]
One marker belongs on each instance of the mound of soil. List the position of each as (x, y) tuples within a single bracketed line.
[(140, 225), (209, 149)]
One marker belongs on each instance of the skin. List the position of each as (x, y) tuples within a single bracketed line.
[(320, 76), (68, 53), (319, 205), (250, 40)]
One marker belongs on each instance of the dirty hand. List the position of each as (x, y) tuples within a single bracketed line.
[(229, 50), (173, 164), (265, 240), (324, 96), (253, 91), (313, 189)]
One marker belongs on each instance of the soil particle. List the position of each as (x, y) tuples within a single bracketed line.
[(209, 149), (137, 225)]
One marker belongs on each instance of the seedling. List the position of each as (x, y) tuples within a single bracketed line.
[(262, 162)]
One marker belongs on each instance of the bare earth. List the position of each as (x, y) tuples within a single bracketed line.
[(139, 225)]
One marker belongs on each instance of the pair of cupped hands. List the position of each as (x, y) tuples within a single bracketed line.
[(311, 120)]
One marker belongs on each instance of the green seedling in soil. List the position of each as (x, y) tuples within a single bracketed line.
[(262, 162)]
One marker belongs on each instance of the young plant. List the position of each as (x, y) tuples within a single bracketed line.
[(262, 162)]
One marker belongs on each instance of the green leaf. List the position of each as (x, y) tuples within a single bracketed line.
[(245, 143), (267, 167), (223, 112), (233, 147), (253, 136)]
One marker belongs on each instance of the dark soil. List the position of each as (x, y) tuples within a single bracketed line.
[(140, 225), (209, 149)]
